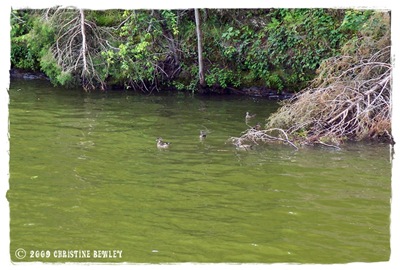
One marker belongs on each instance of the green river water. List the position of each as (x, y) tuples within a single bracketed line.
[(87, 180)]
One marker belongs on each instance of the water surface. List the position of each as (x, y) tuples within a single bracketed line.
[(85, 174)]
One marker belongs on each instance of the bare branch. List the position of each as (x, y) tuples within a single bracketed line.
[(77, 45)]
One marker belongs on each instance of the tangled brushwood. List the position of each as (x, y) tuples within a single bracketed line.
[(350, 99), (353, 105)]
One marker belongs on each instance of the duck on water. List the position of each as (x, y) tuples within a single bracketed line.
[(161, 144)]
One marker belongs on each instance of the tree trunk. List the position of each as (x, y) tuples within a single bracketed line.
[(199, 48)]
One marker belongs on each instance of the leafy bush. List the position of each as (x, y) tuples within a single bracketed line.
[(22, 54), (149, 49)]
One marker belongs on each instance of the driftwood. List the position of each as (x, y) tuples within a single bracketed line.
[(255, 136)]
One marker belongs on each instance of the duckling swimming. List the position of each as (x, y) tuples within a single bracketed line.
[(257, 126), (249, 116), (161, 144), (203, 135)]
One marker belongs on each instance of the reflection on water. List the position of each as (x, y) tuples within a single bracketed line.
[(85, 173)]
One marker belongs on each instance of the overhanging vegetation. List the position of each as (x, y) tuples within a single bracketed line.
[(150, 50), (349, 100)]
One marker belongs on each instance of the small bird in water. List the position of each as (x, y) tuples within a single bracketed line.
[(257, 126), (161, 144), (203, 134), (249, 116), (240, 146)]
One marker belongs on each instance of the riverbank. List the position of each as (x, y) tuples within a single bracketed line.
[(242, 50), (27, 75), (254, 91)]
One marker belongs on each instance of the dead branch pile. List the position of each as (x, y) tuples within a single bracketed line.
[(349, 100), (354, 104)]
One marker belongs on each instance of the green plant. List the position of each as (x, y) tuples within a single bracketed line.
[(221, 77), (149, 49), (23, 55), (275, 82)]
